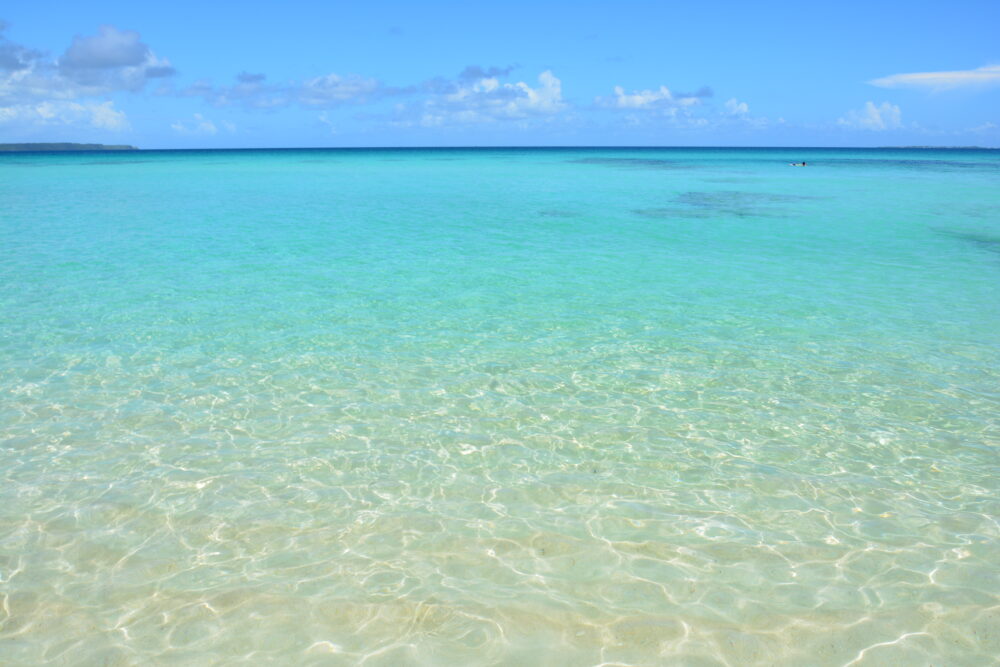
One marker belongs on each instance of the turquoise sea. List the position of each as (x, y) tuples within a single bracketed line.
[(511, 406)]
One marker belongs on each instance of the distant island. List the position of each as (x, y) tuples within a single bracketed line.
[(65, 147)]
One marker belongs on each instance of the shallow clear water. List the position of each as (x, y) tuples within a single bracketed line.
[(500, 407)]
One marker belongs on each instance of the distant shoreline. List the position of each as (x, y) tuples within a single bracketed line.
[(42, 147)]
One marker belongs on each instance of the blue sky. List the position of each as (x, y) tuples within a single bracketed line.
[(257, 74)]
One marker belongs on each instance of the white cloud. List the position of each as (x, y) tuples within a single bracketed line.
[(112, 59), (92, 66), (486, 99), (882, 117), (650, 99), (546, 98), (660, 107), (642, 98), (489, 97), (106, 116), (199, 125), (477, 95), (936, 81), (736, 108), (100, 115)]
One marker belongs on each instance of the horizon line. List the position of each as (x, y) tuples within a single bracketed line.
[(113, 148)]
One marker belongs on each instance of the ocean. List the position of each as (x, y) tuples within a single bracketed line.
[(500, 406)]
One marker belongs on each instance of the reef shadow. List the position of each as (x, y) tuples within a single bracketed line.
[(634, 163), (724, 203), (977, 239)]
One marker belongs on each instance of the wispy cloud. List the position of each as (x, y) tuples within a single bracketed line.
[(252, 91), (199, 125), (984, 127), (333, 89), (658, 98), (937, 81), (325, 119), (662, 107), (247, 77), (884, 116), (98, 115), (476, 72), (476, 95)]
